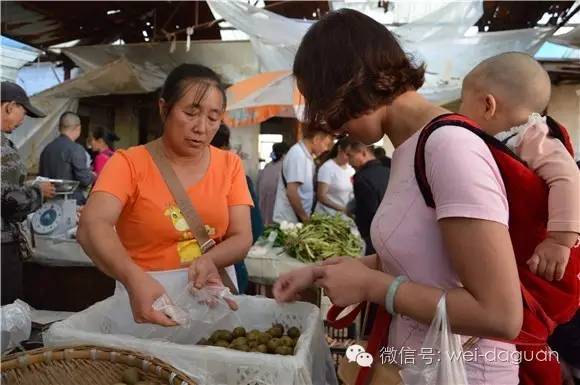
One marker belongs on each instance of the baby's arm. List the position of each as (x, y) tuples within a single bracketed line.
[(549, 158)]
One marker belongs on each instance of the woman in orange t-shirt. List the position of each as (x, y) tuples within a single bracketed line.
[(131, 223)]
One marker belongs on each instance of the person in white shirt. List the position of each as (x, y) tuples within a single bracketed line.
[(295, 195), (334, 189)]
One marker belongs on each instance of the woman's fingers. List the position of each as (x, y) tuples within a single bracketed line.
[(201, 276), (158, 317), (231, 303)]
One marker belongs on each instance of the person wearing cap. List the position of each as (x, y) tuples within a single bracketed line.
[(17, 199)]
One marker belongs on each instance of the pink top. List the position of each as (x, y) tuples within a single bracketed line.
[(549, 158), (465, 182), (100, 160)]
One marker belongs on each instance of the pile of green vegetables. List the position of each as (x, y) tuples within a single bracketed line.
[(322, 237)]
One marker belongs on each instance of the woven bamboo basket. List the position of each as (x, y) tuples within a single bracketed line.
[(90, 365)]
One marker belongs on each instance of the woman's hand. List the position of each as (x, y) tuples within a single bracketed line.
[(289, 285), (203, 272), (143, 290), (345, 281)]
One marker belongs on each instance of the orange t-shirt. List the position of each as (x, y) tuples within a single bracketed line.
[(151, 226)]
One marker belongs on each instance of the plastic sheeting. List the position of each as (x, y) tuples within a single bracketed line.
[(276, 38), (438, 39), (233, 60), (125, 69)]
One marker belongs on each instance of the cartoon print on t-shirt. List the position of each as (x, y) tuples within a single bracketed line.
[(187, 248)]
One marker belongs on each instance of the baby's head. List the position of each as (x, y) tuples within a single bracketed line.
[(501, 92)]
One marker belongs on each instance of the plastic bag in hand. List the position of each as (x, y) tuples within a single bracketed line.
[(16, 324), (444, 364), (206, 305)]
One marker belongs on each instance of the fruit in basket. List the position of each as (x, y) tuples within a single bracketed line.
[(279, 326), (239, 332), (130, 376), (263, 338), (240, 341), (222, 344), (241, 348), (273, 344), (284, 350), (273, 341), (287, 341), (253, 335), (224, 335), (275, 332), (294, 332)]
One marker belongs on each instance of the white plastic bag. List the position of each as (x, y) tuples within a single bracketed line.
[(445, 365), (207, 305), (16, 324)]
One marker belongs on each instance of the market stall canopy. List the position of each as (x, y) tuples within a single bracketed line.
[(261, 97), (438, 39), (233, 60)]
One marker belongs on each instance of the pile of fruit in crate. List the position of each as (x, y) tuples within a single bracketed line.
[(324, 236), (272, 341)]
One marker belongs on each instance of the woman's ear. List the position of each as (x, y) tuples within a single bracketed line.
[(490, 107), (162, 109)]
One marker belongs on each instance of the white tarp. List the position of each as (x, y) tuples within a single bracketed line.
[(233, 60), (116, 78), (125, 69), (438, 39), (276, 38)]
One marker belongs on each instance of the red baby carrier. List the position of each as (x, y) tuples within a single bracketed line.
[(546, 304)]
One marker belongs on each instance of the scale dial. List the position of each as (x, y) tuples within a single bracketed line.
[(47, 218)]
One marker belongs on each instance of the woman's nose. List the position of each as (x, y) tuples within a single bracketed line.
[(200, 125)]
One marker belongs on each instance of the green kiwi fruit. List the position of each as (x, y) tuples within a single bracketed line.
[(293, 332)]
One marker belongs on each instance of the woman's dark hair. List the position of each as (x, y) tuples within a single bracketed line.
[(222, 137), (279, 150), (109, 137), (185, 76), (347, 65), (341, 144)]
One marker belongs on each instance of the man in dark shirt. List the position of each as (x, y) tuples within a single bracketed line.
[(369, 184), (63, 158), (381, 155)]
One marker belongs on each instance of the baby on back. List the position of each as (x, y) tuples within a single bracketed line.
[(506, 95)]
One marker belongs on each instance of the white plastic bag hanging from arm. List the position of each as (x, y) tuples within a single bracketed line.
[(444, 364)]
